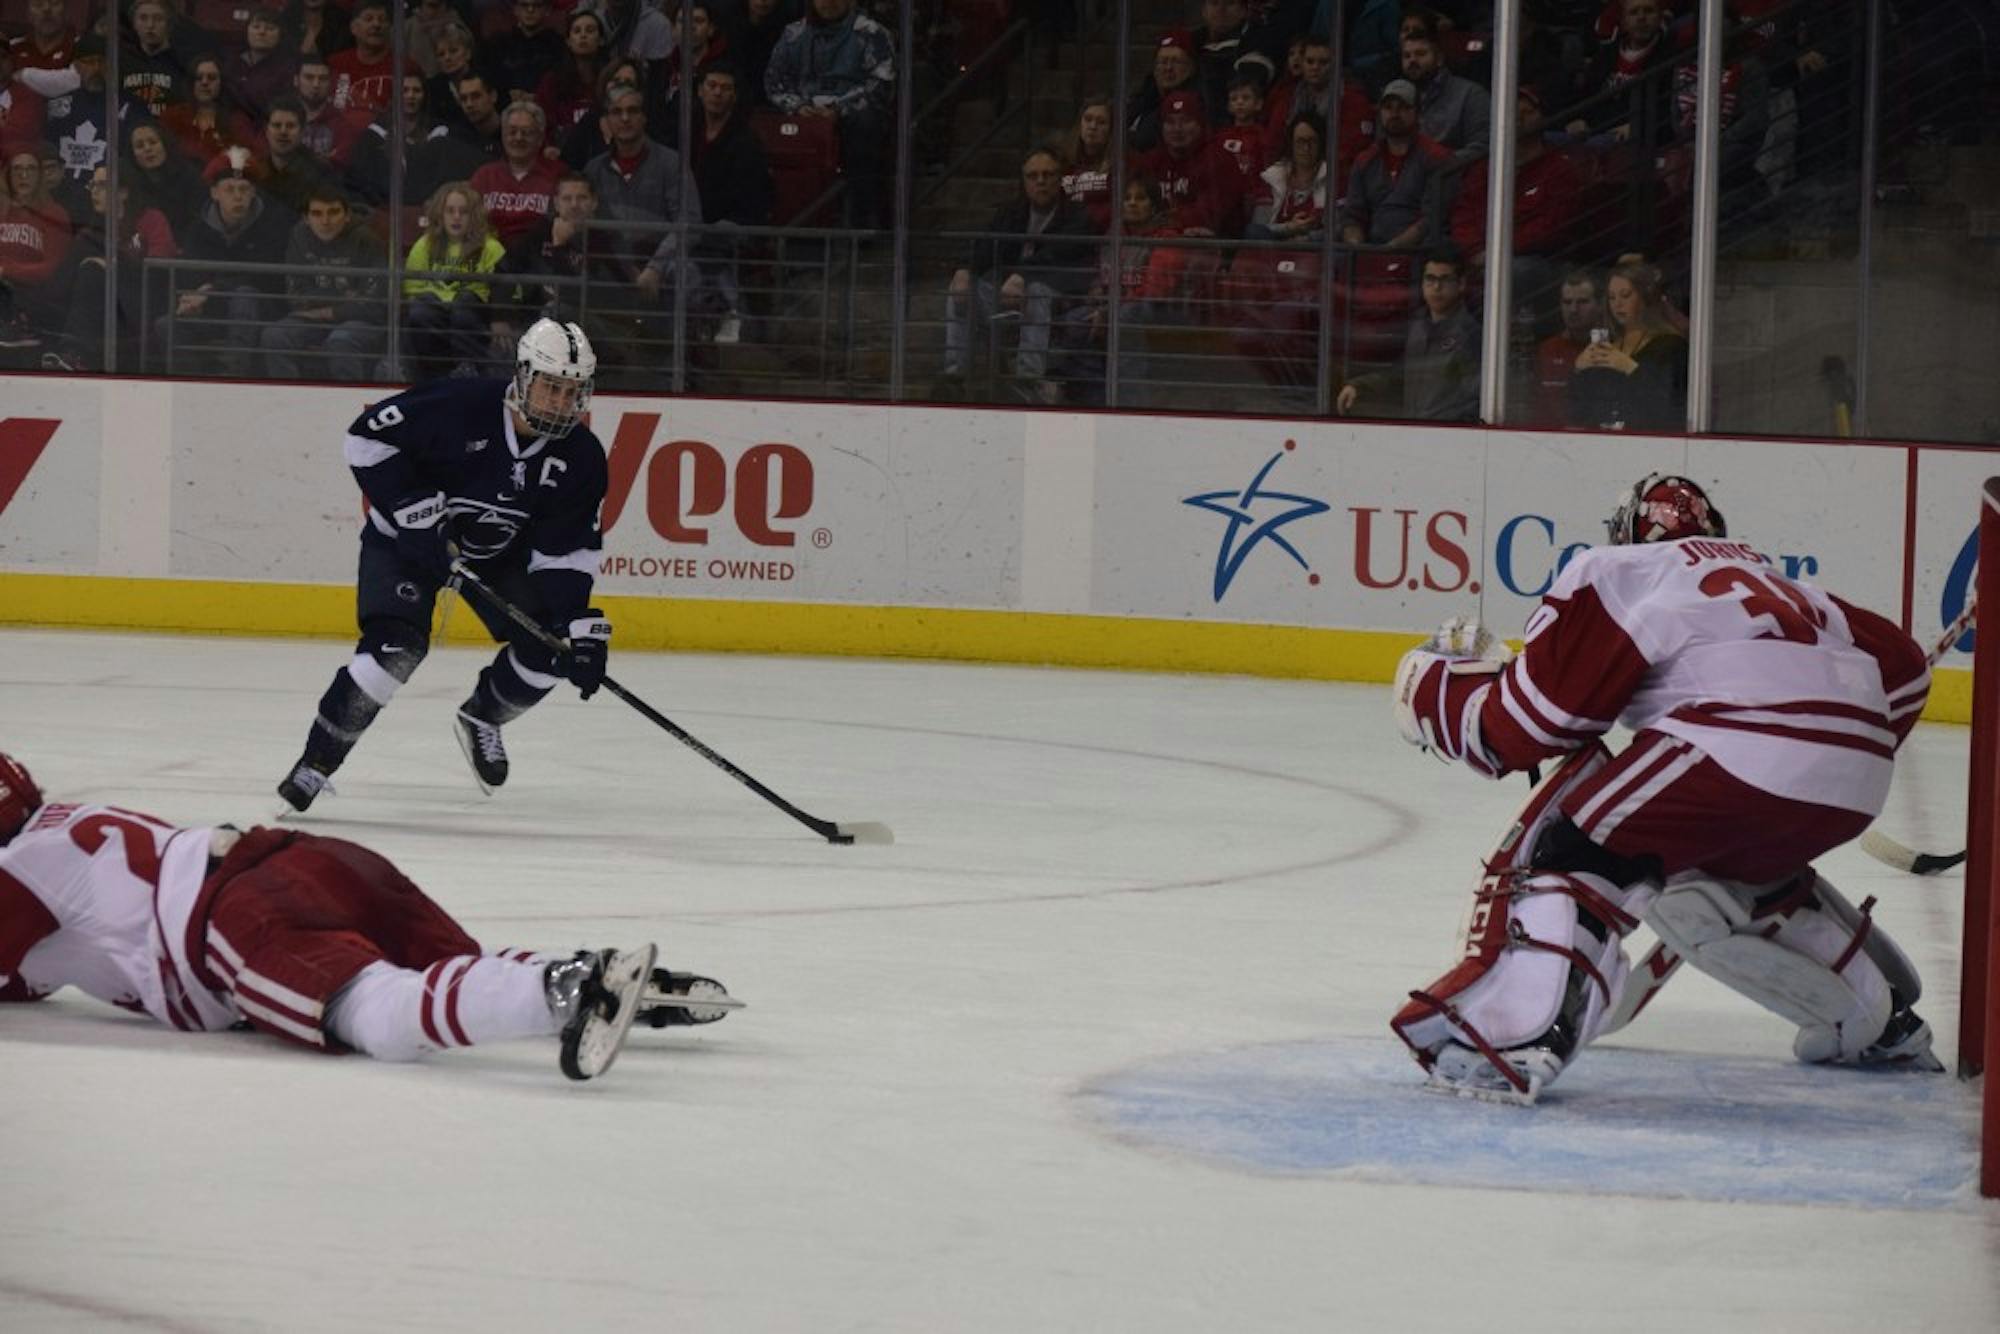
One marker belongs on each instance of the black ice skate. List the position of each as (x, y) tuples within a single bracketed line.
[(484, 750), (1905, 1043), (596, 996), (672, 1000), (303, 783)]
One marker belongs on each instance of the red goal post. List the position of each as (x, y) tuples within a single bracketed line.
[(1979, 999)]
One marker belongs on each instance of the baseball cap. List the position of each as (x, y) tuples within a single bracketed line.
[(1402, 88), (1181, 38), (230, 162), (1181, 103)]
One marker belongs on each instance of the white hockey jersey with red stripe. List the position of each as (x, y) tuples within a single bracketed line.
[(1785, 686), (99, 898)]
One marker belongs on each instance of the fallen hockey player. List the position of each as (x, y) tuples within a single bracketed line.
[(1766, 716), (318, 941)]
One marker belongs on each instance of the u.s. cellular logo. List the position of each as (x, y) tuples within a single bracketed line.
[(1257, 516)]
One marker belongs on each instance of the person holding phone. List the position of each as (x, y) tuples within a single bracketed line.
[(1633, 374)]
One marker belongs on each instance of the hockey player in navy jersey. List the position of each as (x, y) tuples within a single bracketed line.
[(503, 475)]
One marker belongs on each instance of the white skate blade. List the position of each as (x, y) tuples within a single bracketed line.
[(657, 1000), (865, 831), (1505, 1094)]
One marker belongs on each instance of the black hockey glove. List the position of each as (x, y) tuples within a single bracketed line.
[(423, 538), (589, 645)]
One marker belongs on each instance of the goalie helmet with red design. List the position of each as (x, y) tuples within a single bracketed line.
[(1662, 507), (19, 797)]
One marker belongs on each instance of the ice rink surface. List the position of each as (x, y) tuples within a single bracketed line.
[(1099, 1044)]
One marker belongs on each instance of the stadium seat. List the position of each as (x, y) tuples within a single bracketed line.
[(804, 153), (1270, 300)]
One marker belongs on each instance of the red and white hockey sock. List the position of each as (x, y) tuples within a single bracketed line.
[(400, 1014)]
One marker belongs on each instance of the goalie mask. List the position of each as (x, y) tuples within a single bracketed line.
[(553, 366), (1661, 507), (19, 797)]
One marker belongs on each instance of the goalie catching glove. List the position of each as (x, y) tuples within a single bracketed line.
[(589, 646), (1440, 685)]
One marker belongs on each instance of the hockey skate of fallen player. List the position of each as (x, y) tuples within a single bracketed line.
[(317, 941), (1766, 716), (504, 475)]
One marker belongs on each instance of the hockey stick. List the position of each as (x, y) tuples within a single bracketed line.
[(863, 832), (1879, 845)]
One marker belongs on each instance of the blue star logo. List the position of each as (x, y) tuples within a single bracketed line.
[(1246, 529)]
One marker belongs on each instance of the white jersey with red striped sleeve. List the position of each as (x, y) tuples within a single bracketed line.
[(101, 899), (1788, 688)]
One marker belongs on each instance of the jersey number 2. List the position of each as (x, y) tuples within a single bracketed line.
[(1796, 619), (142, 853)]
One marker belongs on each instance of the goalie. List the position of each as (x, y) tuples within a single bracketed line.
[(1766, 716), (317, 941)]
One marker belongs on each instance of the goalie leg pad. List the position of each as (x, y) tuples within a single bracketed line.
[(1781, 948), (1538, 980)]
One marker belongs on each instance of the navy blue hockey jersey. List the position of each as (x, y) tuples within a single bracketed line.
[(457, 437)]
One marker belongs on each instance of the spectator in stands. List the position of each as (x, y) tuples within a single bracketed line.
[(1746, 120), (1203, 189), (164, 181), (329, 131), (518, 191), (74, 120), (23, 111), (426, 23), (1293, 204), (554, 248), (260, 72), (150, 69), (335, 327), (639, 29), (838, 62), (1148, 284), (1396, 189), (372, 161), (205, 124), (567, 94), (1173, 71), (1226, 35), (447, 314), (316, 28), (49, 42), (639, 179), (217, 317), (1452, 111), (1582, 309), (454, 60), (364, 75), (663, 78), (1244, 134), (1630, 61), (764, 22), (522, 55), (34, 237), (1440, 366), (145, 235), (1637, 380), (467, 146), (1374, 36), (586, 139), (1548, 195), (1086, 156), (284, 170), (1045, 260), (735, 184), (1312, 90)]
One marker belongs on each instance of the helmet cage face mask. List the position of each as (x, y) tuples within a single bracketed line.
[(19, 797), (560, 356), (1663, 507)]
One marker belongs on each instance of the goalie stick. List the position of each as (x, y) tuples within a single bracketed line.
[(861, 832), (1661, 962), (1900, 855)]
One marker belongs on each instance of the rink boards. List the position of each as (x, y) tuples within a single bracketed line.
[(1271, 546)]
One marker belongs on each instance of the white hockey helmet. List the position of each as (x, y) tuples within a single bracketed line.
[(558, 356)]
